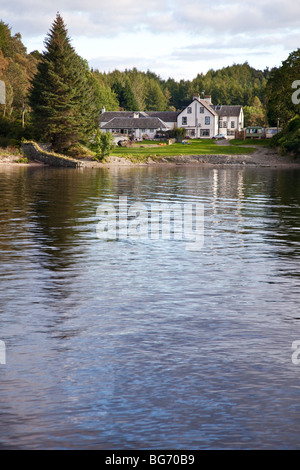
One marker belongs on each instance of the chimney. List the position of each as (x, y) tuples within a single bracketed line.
[(196, 96), (103, 110), (208, 98)]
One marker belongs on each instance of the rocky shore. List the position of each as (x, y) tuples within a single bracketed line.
[(262, 157)]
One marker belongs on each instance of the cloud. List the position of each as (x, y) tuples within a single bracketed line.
[(90, 18), (162, 32), (233, 16), (102, 18)]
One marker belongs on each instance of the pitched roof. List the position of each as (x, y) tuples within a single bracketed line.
[(208, 106), (167, 116), (108, 115), (203, 103), (226, 111), (135, 123)]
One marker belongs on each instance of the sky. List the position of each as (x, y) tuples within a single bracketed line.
[(172, 38)]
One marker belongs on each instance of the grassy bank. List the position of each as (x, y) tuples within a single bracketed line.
[(11, 151)]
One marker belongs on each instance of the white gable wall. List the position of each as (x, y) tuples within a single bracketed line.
[(198, 120)]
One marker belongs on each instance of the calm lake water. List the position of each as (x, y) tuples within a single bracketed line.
[(124, 344)]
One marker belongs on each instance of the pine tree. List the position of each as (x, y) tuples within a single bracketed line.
[(129, 98), (155, 99), (64, 110)]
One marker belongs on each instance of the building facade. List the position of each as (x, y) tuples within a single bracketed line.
[(201, 120), (137, 125), (198, 119)]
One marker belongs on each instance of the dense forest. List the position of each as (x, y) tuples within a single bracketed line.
[(240, 84)]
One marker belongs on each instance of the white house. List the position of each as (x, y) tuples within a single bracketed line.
[(203, 120), (199, 118)]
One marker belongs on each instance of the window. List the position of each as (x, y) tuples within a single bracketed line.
[(189, 110), (201, 109), (232, 124), (184, 121), (193, 133), (207, 120), (204, 132)]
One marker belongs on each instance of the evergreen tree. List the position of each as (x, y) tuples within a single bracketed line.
[(125, 95), (130, 103), (64, 110), (104, 95), (155, 98), (279, 90)]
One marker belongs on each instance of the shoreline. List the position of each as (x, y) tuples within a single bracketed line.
[(261, 157)]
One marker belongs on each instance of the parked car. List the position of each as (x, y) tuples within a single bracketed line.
[(219, 136)]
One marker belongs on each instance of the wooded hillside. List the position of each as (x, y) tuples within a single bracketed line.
[(239, 84)]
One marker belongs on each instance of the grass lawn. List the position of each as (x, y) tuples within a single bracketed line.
[(142, 150), (262, 142)]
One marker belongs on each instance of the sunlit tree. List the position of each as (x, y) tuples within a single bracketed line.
[(64, 109)]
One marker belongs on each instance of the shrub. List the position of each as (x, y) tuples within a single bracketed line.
[(293, 125), (179, 134), (79, 151), (102, 144)]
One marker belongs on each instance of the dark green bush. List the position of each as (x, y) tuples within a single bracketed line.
[(288, 140)]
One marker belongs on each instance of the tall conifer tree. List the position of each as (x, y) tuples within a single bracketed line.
[(62, 99)]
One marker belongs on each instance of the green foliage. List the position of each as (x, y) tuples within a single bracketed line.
[(102, 144), (62, 97), (288, 140), (234, 85), (23, 160), (279, 90), (179, 134), (125, 95), (16, 69), (104, 94), (155, 98), (79, 151), (11, 130), (255, 115), (238, 84)]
